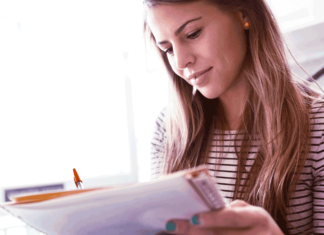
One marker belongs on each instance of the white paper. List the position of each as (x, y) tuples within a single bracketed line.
[(142, 209)]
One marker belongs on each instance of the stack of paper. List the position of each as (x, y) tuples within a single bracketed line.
[(141, 209)]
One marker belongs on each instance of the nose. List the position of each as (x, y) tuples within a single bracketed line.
[(183, 57)]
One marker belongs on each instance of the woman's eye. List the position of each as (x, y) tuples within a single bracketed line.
[(195, 34), (169, 50), (190, 36)]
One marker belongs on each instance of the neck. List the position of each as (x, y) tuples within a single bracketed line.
[(233, 102)]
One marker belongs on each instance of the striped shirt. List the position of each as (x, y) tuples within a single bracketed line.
[(307, 210)]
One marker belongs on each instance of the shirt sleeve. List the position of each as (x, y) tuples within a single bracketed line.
[(318, 190), (157, 148)]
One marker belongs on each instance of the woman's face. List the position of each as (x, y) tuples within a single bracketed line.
[(204, 45)]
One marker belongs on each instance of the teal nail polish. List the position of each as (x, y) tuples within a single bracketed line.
[(194, 220), (170, 226)]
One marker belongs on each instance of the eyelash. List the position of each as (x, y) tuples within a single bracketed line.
[(194, 35)]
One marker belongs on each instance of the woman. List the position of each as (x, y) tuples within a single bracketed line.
[(236, 106)]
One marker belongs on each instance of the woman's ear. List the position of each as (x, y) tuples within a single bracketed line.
[(242, 16), (243, 19)]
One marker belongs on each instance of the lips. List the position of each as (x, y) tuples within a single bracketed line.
[(197, 74), (199, 78)]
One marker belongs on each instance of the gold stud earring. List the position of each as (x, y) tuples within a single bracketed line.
[(246, 24)]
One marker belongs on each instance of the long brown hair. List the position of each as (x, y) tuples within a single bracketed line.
[(276, 114)]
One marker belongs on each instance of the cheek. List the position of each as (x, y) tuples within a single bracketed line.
[(233, 54), (210, 48), (229, 46), (237, 46)]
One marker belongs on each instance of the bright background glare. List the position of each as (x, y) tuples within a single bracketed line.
[(79, 90)]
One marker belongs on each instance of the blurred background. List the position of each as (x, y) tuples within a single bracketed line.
[(79, 89)]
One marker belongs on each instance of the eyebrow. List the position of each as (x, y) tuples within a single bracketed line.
[(179, 30)]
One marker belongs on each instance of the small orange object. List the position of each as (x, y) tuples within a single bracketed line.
[(246, 24), (76, 177)]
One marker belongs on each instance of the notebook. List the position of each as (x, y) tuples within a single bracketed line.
[(140, 209)]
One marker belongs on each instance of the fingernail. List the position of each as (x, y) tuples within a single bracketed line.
[(194, 220), (170, 226)]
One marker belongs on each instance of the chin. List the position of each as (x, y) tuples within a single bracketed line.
[(209, 96)]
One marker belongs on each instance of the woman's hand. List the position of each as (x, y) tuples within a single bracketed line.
[(238, 217)]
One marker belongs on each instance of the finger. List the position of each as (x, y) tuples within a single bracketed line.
[(185, 228), (232, 217), (178, 226), (238, 203)]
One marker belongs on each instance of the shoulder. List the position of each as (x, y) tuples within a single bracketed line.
[(160, 120), (317, 119), (159, 134), (157, 145), (316, 156), (160, 127)]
